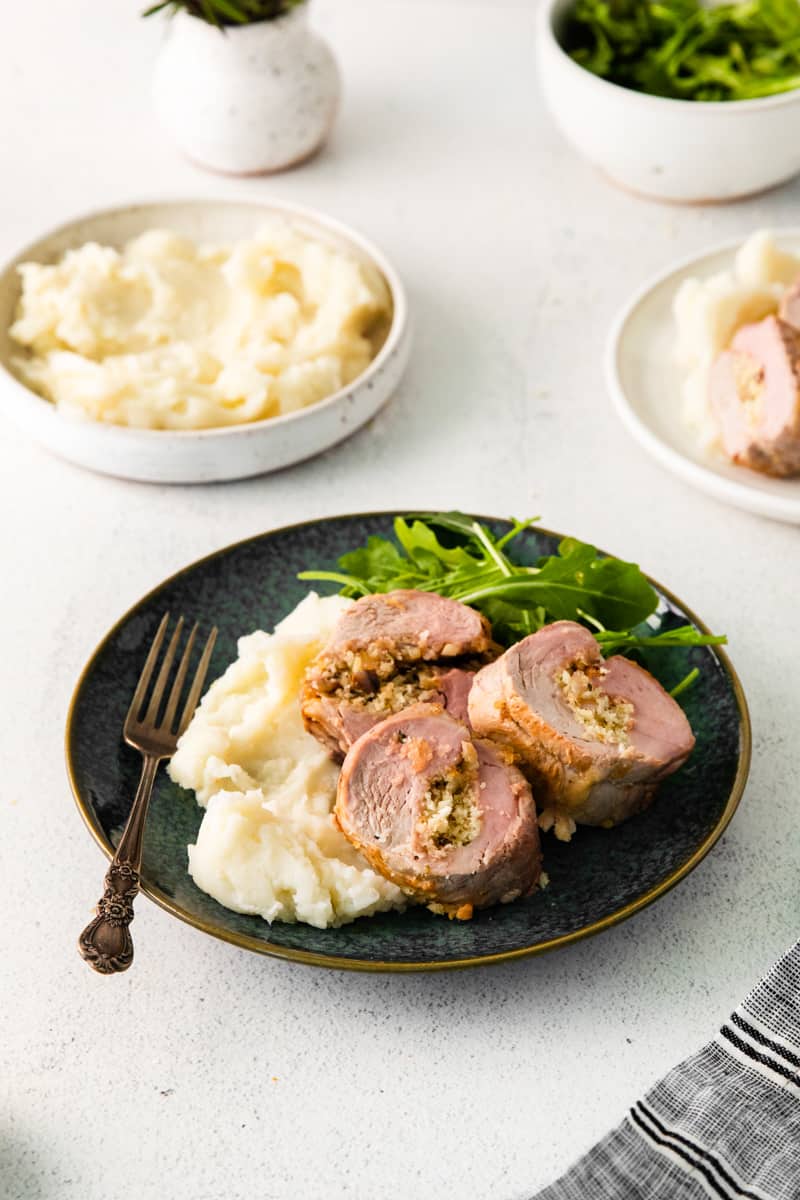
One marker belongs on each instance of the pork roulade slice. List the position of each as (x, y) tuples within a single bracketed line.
[(390, 651), (594, 736), (444, 816), (411, 625), (755, 396)]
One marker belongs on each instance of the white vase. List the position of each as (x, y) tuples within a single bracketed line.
[(248, 98)]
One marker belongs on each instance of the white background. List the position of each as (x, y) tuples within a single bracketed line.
[(212, 1073)]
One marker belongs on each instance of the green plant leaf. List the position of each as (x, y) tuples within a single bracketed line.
[(223, 13)]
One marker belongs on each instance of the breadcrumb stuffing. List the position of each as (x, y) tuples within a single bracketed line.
[(750, 385), (604, 718), (449, 814), (372, 680)]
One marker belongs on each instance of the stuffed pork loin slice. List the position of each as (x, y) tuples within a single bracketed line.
[(446, 817), (755, 396), (594, 736), (390, 651)]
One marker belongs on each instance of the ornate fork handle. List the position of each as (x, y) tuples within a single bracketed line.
[(106, 942)]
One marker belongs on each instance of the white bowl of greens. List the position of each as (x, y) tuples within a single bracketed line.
[(683, 102)]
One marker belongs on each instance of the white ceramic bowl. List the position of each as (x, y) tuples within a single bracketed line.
[(679, 150), (208, 455)]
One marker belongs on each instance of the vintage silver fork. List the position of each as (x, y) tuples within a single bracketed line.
[(106, 941)]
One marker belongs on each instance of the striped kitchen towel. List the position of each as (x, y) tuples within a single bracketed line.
[(725, 1123)]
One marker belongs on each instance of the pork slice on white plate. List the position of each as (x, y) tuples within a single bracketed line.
[(755, 395)]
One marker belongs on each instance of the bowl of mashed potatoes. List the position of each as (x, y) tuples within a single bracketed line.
[(199, 341)]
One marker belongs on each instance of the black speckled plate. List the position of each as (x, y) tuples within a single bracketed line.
[(600, 878)]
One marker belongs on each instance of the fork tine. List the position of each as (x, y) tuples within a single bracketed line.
[(147, 671), (180, 679), (163, 675), (197, 682)]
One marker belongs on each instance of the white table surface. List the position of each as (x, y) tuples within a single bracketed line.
[(212, 1073)]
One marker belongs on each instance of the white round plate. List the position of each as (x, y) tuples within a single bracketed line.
[(645, 383), (207, 455)]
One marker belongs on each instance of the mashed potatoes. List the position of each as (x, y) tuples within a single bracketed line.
[(708, 313), (267, 842), (166, 334)]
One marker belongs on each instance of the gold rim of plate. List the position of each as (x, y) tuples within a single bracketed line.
[(311, 958)]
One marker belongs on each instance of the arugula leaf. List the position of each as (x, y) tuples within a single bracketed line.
[(510, 623), (609, 595), (426, 551), (685, 683), (378, 560), (614, 592), (612, 642)]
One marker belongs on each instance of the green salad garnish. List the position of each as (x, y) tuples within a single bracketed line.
[(465, 561), (689, 50)]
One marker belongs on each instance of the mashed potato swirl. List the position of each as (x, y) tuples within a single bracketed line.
[(268, 844), (168, 334)]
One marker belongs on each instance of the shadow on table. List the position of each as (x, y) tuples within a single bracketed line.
[(26, 1171)]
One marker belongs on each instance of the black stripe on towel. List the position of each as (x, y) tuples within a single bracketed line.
[(765, 1041), (693, 1162), (758, 1057), (701, 1151)]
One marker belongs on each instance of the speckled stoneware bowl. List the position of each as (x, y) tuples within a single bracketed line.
[(249, 98), (204, 455), (600, 878)]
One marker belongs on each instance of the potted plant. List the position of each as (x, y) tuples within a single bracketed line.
[(244, 86)]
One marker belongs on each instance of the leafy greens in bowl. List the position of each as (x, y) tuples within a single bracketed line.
[(687, 49)]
